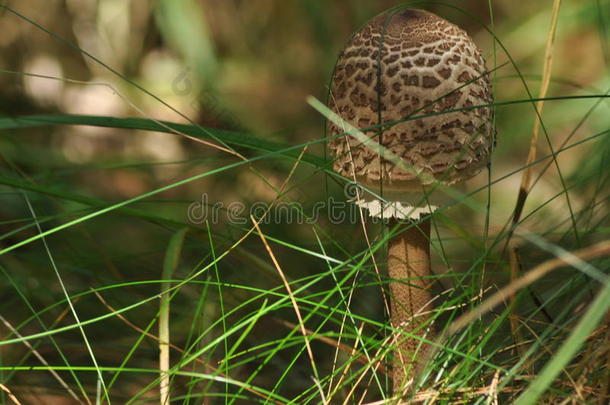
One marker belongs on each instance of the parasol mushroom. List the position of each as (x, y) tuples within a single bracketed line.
[(400, 80)]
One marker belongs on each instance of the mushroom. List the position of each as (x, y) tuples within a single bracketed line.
[(400, 80)]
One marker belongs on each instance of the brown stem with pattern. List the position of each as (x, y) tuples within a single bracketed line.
[(410, 296)]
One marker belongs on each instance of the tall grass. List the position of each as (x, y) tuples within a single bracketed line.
[(117, 289)]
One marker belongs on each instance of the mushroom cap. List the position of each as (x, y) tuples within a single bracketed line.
[(404, 64)]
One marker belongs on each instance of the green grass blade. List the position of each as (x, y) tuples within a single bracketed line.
[(233, 138), (589, 321)]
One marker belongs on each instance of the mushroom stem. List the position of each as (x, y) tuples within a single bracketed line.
[(410, 296)]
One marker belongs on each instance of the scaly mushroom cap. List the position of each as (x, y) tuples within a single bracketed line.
[(428, 65)]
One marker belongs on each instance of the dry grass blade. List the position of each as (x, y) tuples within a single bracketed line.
[(515, 269), (332, 342), (458, 396), (10, 394), (210, 368), (374, 366), (289, 290), (606, 384), (492, 395), (598, 250), (170, 264), (546, 80), (43, 361)]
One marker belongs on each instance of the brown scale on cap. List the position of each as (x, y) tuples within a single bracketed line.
[(423, 58)]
